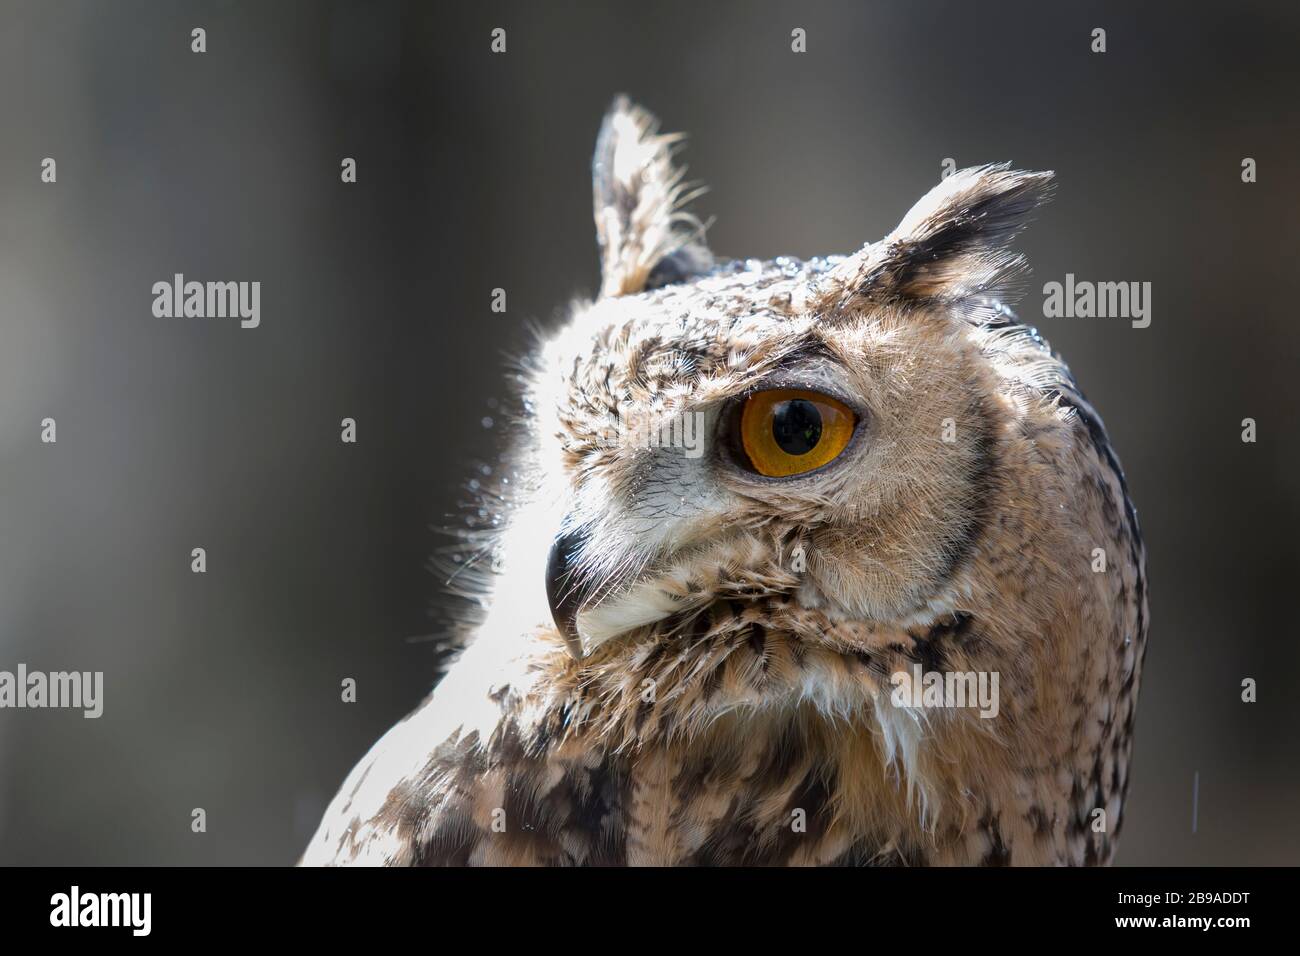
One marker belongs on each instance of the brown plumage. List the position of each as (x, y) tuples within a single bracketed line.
[(716, 685)]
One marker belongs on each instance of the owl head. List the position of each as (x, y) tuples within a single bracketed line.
[(820, 435), (750, 496)]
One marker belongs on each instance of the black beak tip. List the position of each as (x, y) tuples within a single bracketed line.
[(562, 593)]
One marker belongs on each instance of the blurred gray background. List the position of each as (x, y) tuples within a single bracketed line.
[(222, 690)]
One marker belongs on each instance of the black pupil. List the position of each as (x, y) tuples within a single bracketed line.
[(796, 426)]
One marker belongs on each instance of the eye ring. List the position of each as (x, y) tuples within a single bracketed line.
[(788, 432)]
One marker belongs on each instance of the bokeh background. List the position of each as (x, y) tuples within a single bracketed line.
[(222, 690)]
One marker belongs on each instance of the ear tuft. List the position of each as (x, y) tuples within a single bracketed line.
[(951, 245), (646, 237)]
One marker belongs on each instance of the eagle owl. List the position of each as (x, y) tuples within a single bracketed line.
[(757, 500)]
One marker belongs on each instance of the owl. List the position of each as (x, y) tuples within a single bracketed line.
[(806, 563)]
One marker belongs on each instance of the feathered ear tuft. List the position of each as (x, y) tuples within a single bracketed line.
[(951, 245), (646, 238)]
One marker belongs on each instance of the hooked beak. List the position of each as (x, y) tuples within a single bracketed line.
[(585, 623), (563, 591)]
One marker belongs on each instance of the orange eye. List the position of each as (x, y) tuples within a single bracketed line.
[(788, 431)]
